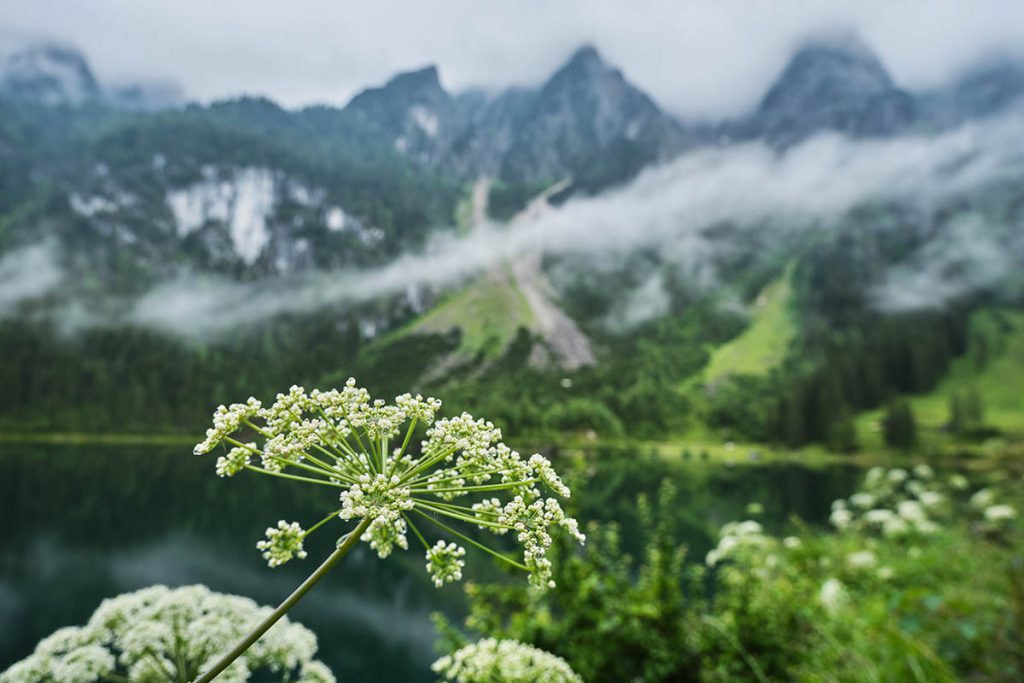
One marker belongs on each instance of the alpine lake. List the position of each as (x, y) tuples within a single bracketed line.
[(84, 522)]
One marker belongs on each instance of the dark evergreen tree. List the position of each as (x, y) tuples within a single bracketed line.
[(899, 426), (842, 434)]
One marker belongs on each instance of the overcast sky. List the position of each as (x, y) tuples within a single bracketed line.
[(697, 58)]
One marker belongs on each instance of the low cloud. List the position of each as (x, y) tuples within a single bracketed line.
[(27, 273), (699, 59), (669, 207), (762, 194), (965, 259)]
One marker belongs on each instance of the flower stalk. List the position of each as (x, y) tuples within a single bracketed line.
[(344, 546), (342, 439)]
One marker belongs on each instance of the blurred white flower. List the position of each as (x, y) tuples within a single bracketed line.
[(504, 661), (878, 516), (1000, 513), (923, 471), (862, 500), (862, 559), (911, 511), (737, 537), (874, 477), (982, 499), (894, 527), (896, 475), (165, 634), (833, 595), (840, 518), (958, 482)]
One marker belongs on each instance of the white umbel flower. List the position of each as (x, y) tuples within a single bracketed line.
[(164, 634), (508, 661), (460, 473), (283, 543), (445, 563), (833, 595), (1000, 513), (862, 559)]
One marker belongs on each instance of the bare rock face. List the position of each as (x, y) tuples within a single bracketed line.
[(585, 114), (831, 86), (585, 111), (983, 90), (418, 118), (49, 74)]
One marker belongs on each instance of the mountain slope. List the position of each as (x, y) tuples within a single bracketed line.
[(492, 310), (413, 113), (766, 342), (579, 115), (48, 73), (254, 210), (838, 85), (585, 115)]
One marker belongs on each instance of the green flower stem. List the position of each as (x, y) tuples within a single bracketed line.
[(475, 544), (367, 451), (408, 435), (455, 514), (341, 445), (256, 428), (415, 530), (159, 662), (467, 475), (268, 435), (321, 523), (347, 543), (292, 476), (426, 461), (329, 468), (330, 472), (486, 487), (461, 509)]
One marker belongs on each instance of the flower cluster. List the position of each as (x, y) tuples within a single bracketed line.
[(283, 543), (164, 634), (444, 563), (833, 595), (894, 503), (508, 661), (740, 538), (896, 517), (994, 517), (389, 483)]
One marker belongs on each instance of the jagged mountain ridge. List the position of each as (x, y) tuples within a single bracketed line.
[(254, 197), (534, 136), (247, 188), (49, 73), (589, 123), (54, 74), (837, 86)]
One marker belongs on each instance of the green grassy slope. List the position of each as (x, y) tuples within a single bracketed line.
[(765, 342), (993, 366), (488, 313)]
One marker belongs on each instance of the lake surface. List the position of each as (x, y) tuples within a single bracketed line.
[(84, 523)]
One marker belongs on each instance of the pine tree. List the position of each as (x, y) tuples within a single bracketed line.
[(974, 409), (842, 434), (899, 426), (957, 414)]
